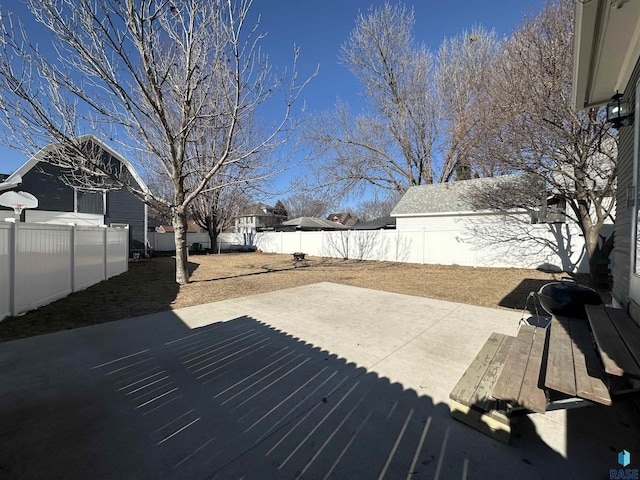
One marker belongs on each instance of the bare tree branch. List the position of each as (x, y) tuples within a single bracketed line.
[(161, 79)]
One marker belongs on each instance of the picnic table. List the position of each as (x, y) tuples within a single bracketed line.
[(551, 368)]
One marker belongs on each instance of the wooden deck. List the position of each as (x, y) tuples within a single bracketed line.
[(519, 382), (618, 340), (544, 369)]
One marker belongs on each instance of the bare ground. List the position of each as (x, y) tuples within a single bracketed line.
[(149, 287)]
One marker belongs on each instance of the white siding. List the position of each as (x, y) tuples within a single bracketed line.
[(63, 218)]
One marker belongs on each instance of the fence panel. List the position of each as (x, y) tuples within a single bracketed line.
[(291, 242), (43, 264), (538, 246), (89, 257), (5, 268), (117, 257), (269, 242), (166, 242), (311, 243), (409, 247)]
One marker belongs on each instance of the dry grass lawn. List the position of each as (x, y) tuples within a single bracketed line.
[(149, 287)]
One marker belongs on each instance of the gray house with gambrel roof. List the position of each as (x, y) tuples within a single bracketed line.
[(62, 202)]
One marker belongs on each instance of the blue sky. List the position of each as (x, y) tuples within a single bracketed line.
[(320, 27)]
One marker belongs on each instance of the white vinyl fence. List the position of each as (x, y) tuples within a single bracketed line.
[(166, 242), (41, 263), (542, 248)]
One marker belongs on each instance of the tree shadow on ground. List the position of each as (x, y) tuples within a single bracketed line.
[(148, 286)]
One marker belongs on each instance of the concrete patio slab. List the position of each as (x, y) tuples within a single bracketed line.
[(320, 381)]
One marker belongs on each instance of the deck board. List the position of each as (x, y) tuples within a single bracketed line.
[(482, 396), (616, 358), (465, 391), (532, 395), (630, 334), (560, 374), (509, 384), (588, 370)]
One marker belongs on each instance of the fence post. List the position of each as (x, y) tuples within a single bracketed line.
[(104, 251), (126, 249), (72, 258), (13, 254)]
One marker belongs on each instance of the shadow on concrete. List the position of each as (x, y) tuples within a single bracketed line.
[(148, 286), (150, 398), (523, 297), (520, 297)]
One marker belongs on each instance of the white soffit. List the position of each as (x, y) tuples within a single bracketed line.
[(606, 48)]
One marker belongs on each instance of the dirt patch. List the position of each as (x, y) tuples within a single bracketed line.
[(149, 286)]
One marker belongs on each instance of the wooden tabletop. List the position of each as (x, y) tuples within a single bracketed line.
[(572, 366), (519, 381), (618, 338)]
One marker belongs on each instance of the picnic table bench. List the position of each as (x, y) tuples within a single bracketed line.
[(543, 369)]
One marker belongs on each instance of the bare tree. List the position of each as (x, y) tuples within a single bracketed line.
[(420, 118), (390, 145), (530, 126), (463, 64), (159, 77), (216, 210), (308, 205), (377, 207)]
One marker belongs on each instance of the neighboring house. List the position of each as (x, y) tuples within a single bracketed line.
[(449, 203), (343, 218), (458, 232), (607, 61), (157, 225), (308, 224), (382, 223), (61, 202), (258, 217)]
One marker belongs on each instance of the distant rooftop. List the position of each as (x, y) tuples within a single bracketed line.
[(447, 197)]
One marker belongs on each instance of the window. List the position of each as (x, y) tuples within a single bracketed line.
[(552, 209), (90, 201)]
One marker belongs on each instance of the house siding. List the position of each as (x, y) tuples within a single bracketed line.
[(124, 207), (624, 210), (43, 181)]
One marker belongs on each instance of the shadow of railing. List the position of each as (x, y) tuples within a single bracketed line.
[(237, 399), (297, 410)]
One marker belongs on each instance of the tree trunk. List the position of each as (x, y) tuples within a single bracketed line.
[(213, 238), (598, 250), (182, 250)]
